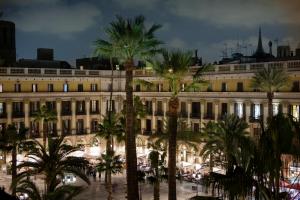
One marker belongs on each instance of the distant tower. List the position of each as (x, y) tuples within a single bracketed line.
[(7, 43), (259, 53), (270, 47)]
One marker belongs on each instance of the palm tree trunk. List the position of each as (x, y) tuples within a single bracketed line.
[(270, 96), (156, 185), (44, 133), (173, 115), (130, 144), (14, 167), (109, 185)]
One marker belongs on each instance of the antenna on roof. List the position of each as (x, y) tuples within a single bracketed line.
[(224, 51)]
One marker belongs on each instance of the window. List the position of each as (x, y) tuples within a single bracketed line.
[(275, 108), (80, 88), (159, 87), (94, 105), (50, 87), (94, 125), (94, 87), (295, 87), (239, 109), (209, 112), (109, 87), (66, 87), (224, 87), (138, 88), (224, 109), (17, 87), (295, 111), (256, 113), (80, 106), (182, 87), (209, 88), (240, 87), (34, 106), (80, 126), (1, 88), (149, 107), (1, 108), (34, 88), (196, 127), (112, 106)]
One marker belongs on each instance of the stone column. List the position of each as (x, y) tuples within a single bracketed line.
[(216, 103), (26, 113), (248, 110), (202, 112), (73, 119), (58, 120), (285, 105), (165, 106), (103, 107), (87, 121), (189, 112), (265, 111), (231, 107), (9, 111), (153, 115)]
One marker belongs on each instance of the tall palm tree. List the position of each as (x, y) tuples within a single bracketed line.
[(52, 163), (10, 140), (270, 80), (173, 69), (130, 40), (113, 164), (44, 115), (110, 127)]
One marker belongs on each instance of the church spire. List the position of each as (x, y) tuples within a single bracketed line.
[(260, 50)]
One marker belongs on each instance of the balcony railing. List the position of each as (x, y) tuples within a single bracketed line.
[(18, 114), (253, 119), (80, 112), (159, 113), (209, 116), (195, 115), (66, 112)]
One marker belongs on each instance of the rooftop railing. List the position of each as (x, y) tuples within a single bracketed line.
[(291, 65)]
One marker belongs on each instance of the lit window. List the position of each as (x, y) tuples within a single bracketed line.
[(295, 111), (1, 88), (34, 87), (182, 87), (239, 110), (50, 87), (1, 108), (94, 87), (256, 111), (66, 87), (94, 106), (275, 108), (17, 87)]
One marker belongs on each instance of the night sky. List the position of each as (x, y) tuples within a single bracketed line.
[(71, 26)]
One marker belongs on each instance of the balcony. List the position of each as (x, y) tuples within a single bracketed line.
[(66, 132), (209, 116), (18, 114), (253, 119), (195, 115), (183, 114), (94, 112), (159, 113), (149, 111), (147, 132), (66, 112), (81, 112)]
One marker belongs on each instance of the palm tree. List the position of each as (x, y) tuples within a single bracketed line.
[(52, 163), (113, 164), (10, 141), (173, 69), (110, 127), (44, 115), (157, 164), (130, 40), (270, 80), (226, 140)]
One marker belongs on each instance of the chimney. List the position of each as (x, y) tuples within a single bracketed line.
[(196, 53)]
